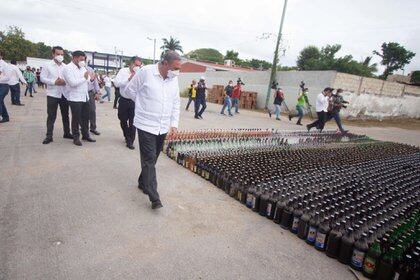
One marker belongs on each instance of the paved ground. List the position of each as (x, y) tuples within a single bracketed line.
[(70, 212)]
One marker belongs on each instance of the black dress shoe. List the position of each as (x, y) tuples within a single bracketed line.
[(68, 136), (95, 132), (88, 139), (130, 146), (77, 142), (20, 104), (47, 140), (4, 120), (142, 189), (157, 204)]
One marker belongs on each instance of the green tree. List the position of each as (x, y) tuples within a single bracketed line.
[(394, 57), (14, 44), (208, 54), (232, 55), (308, 58), (373, 67), (172, 44)]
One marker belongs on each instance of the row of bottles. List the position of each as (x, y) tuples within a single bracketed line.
[(357, 200)]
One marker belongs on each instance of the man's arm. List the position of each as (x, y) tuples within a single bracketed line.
[(45, 77), (130, 91), (119, 80), (21, 78), (175, 112)]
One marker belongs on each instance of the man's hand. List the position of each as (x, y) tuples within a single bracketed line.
[(173, 130), (131, 76), (86, 75), (60, 82), (97, 95)]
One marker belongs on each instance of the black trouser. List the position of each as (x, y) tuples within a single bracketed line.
[(197, 103), (52, 105), (126, 110), (117, 96), (92, 110), (79, 117), (15, 94), (320, 122), (150, 148), (190, 99)]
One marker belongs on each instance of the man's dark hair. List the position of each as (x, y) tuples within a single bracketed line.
[(56, 48), (13, 62), (170, 56), (134, 59), (78, 53)]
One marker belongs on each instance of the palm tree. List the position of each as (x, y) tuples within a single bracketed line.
[(172, 44), (372, 67)]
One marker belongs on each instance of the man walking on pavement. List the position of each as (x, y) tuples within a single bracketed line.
[(321, 109), (108, 87), (4, 88), (52, 76), (299, 106), (14, 77), (155, 91), (200, 99), (30, 81), (76, 77), (227, 101), (126, 106), (336, 103)]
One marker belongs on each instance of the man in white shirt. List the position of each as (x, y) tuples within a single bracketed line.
[(52, 76), (322, 101), (155, 90), (4, 88), (76, 77), (108, 86), (126, 106), (15, 75)]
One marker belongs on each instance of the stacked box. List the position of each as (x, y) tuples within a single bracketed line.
[(248, 99)]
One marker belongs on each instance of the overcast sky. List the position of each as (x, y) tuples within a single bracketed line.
[(360, 26)]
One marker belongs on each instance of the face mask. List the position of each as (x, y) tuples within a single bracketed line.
[(136, 68), (230, 84), (59, 58), (173, 73), (82, 63)]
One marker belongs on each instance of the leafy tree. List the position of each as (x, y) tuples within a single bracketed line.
[(367, 63), (394, 57), (311, 58), (14, 44), (256, 64), (232, 55), (415, 78), (212, 55), (308, 58), (172, 44)]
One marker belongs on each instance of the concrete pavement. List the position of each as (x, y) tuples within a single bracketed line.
[(70, 212)]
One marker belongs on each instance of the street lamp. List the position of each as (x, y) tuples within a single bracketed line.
[(154, 48)]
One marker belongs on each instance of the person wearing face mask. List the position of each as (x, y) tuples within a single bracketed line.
[(228, 102), (76, 77), (94, 93), (52, 76), (200, 99), (155, 91), (191, 94), (126, 106)]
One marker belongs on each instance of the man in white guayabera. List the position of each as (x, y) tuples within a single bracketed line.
[(155, 91)]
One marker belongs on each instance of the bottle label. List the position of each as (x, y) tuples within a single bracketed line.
[(357, 258), (295, 224), (320, 240), (249, 200), (254, 199), (370, 265), (195, 169), (269, 205), (239, 195), (311, 234), (207, 175)]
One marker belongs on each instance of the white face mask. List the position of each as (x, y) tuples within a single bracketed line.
[(82, 63), (136, 68), (59, 58), (173, 73)]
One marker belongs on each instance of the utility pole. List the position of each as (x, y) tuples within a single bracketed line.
[(276, 57), (154, 48)]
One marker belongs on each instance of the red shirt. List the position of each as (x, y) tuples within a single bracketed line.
[(237, 92)]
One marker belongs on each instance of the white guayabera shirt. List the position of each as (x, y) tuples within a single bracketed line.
[(76, 84), (49, 74), (157, 100)]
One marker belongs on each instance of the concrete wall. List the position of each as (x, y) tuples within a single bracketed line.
[(369, 97)]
